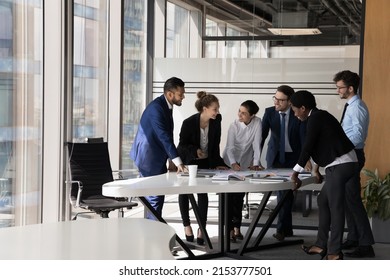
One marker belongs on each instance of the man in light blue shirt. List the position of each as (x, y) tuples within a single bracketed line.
[(355, 120)]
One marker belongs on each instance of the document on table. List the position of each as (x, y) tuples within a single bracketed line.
[(224, 176)]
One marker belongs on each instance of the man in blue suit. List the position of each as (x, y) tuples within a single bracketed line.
[(286, 156), (154, 145)]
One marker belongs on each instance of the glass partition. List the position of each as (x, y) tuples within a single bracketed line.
[(134, 74), (90, 66), (21, 106)]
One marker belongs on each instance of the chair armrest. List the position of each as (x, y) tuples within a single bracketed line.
[(126, 173), (79, 191)]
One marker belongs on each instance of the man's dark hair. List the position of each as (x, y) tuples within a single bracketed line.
[(287, 90), (349, 78), (303, 98), (173, 83)]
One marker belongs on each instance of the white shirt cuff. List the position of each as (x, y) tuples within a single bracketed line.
[(177, 161), (298, 168)]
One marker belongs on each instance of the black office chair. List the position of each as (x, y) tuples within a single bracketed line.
[(90, 168)]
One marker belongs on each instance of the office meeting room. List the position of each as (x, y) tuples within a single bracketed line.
[(194, 138)]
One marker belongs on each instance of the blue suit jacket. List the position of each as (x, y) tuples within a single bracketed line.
[(154, 142), (296, 134)]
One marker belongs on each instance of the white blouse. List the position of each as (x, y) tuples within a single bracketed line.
[(204, 140), (243, 144)]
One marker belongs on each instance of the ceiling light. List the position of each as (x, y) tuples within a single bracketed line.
[(295, 31)]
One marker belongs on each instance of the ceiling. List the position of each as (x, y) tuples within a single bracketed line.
[(339, 21)]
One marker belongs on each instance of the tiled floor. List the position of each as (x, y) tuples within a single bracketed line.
[(291, 252)]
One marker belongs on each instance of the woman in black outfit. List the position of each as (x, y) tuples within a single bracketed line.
[(200, 136), (329, 147)]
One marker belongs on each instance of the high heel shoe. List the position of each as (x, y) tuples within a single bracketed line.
[(338, 256), (237, 234), (199, 240), (190, 237), (308, 250)]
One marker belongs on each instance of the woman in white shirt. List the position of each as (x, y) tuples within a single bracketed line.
[(242, 152)]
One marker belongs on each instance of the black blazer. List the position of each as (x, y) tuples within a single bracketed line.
[(296, 134), (189, 142), (325, 139)]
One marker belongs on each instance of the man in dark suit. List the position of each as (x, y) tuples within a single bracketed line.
[(283, 153), (328, 146), (154, 143)]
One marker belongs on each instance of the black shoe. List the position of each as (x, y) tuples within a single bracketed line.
[(338, 256), (279, 236), (235, 234), (239, 236), (361, 252), (349, 244), (190, 238), (308, 250), (199, 240)]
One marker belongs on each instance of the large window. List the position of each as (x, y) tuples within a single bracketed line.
[(90, 68), (134, 74), (177, 32), (211, 47), (20, 112)]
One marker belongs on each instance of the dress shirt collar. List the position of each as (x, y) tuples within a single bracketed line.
[(353, 99), (287, 111), (243, 125), (170, 106)]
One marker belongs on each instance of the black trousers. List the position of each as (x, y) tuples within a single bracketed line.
[(236, 202), (203, 199), (359, 228), (184, 205), (284, 223), (331, 206)]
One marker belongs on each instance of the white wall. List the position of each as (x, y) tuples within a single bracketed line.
[(236, 80)]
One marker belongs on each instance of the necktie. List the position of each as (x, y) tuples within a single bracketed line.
[(345, 109), (282, 138)]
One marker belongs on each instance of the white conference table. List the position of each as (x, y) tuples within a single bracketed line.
[(92, 239), (173, 183)]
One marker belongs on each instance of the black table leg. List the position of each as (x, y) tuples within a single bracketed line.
[(244, 246)]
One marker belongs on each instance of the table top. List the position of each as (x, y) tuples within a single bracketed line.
[(173, 183), (89, 239)]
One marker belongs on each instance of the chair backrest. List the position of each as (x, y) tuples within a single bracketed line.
[(94, 140), (90, 164)]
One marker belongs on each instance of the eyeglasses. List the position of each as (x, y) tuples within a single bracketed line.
[(277, 99), (338, 88)]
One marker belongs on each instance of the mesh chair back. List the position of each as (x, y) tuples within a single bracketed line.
[(90, 164)]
